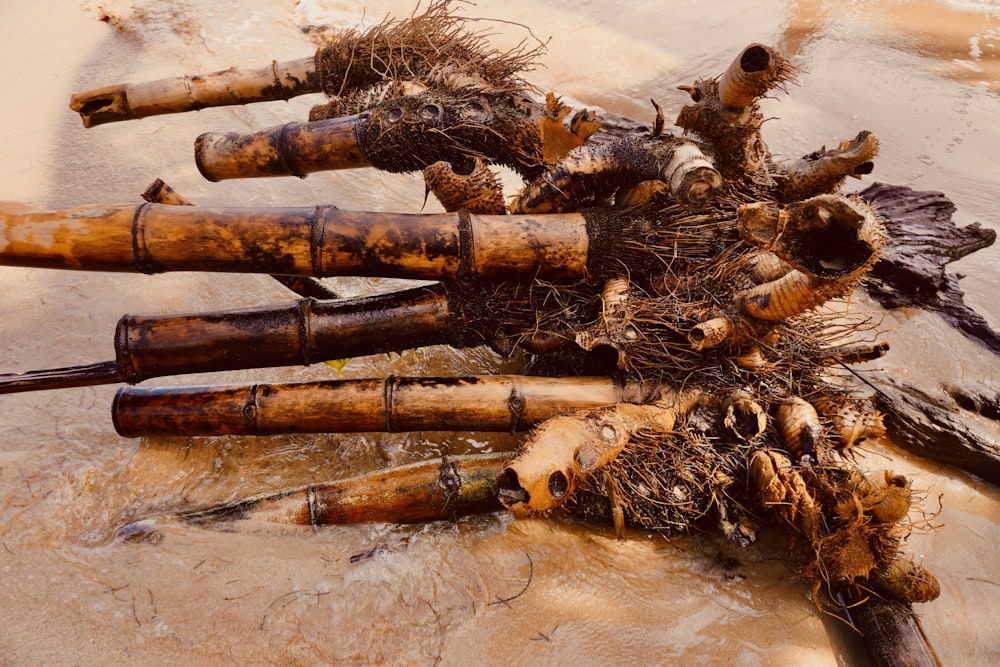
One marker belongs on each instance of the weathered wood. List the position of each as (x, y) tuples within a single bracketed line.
[(937, 427), (503, 403), (891, 633), (923, 241), (912, 272)]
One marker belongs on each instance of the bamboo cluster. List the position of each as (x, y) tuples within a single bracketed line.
[(674, 277)]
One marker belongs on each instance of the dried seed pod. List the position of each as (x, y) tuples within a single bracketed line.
[(799, 426), (752, 360), (889, 502), (824, 171), (830, 241), (478, 191), (783, 490), (792, 294), (907, 581), (643, 193), (751, 75), (744, 416), (767, 266), (565, 449), (852, 420)]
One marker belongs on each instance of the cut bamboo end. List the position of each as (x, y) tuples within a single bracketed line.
[(751, 75), (293, 149), (103, 105), (745, 417), (692, 178)]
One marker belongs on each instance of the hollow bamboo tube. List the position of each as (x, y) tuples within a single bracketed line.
[(299, 333), (502, 403), (437, 490), (127, 101), (293, 149), (321, 241)]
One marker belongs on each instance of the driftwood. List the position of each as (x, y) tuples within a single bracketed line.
[(951, 425)]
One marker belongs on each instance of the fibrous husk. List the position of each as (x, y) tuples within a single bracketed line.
[(565, 450), (434, 50)]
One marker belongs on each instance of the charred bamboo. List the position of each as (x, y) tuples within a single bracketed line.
[(441, 490), (300, 333), (395, 404), (317, 241)]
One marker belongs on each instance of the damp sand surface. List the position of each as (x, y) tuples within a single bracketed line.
[(922, 74)]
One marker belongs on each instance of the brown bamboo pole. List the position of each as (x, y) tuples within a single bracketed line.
[(317, 241), (293, 149), (300, 333), (127, 101), (159, 192), (502, 403), (437, 490), (402, 134)]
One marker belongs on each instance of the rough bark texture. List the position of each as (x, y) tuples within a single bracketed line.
[(924, 241), (912, 273)]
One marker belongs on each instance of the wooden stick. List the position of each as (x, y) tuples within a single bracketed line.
[(890, 631), (278, 81)]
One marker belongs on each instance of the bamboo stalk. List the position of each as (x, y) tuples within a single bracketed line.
[(159, 192), (402, 134), (316, 241), (127, 101), (300, 333), (503, 403), (293, 149), (436, 490)]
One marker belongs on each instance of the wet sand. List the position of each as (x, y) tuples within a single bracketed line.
[(922, 75)]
